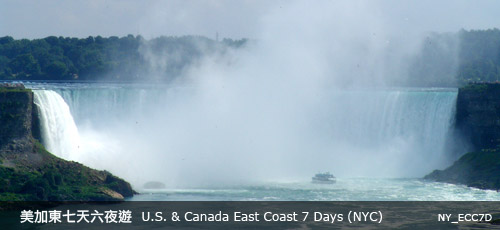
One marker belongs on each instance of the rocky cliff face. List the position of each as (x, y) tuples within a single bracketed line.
[(478, 115), (16, 116), (478, 120), (29, 172)]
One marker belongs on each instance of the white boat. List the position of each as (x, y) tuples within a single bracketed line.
[(324, 178)]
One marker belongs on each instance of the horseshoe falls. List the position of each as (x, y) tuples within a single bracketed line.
[(212, 147)]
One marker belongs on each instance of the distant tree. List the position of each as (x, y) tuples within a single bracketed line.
[(25, 65), (6, 39), (57, 69)]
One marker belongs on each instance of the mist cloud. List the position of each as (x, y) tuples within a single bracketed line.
[(286, 106)]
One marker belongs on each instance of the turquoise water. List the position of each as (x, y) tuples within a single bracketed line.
[(353, 189)]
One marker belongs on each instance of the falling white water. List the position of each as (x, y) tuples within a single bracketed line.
[(59, 132)]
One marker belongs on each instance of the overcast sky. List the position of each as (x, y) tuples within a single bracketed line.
[(230, 18)]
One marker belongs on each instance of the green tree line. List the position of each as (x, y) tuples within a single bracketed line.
[(445, 59), (95, 58)]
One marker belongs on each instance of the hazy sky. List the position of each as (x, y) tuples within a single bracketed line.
[(235, 19)]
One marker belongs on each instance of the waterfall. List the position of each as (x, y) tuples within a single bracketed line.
[(375, 118), (404, 129), (59, 132), (170, 134)]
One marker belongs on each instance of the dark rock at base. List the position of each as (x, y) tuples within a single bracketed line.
[(476, 169), (119, 185)]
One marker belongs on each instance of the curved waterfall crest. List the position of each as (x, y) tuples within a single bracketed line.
[(59, 132)]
